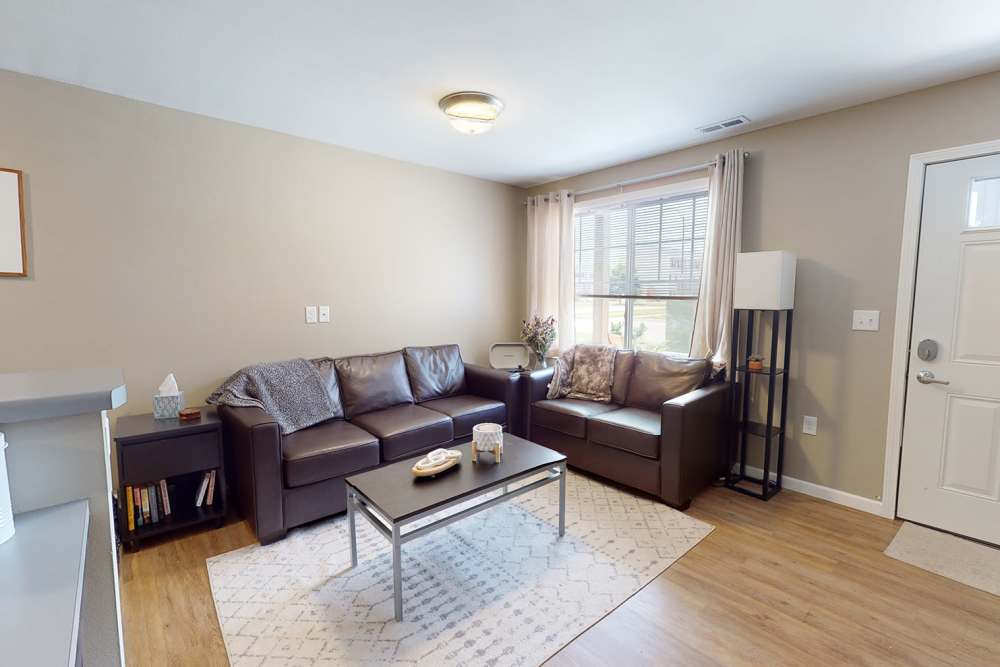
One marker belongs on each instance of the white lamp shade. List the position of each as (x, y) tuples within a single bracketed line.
[(764, 280)]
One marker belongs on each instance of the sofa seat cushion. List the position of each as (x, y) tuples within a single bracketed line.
[(567, 415), (331, 449), (466, 411), (407, 429), (629, 429)]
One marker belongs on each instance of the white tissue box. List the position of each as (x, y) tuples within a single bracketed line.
[(167, 407)]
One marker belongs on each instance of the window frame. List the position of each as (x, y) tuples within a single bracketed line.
[(630, 201)]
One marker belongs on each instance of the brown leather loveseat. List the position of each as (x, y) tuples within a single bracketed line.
[(648, 437), (396, 405)]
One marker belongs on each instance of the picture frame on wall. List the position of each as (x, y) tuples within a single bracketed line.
[(13, 245)]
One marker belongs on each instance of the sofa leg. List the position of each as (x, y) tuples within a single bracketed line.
[(272, 538)]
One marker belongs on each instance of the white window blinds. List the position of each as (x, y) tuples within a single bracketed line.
[(648, 248)]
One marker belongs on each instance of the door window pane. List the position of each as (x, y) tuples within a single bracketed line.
[(984, 203)]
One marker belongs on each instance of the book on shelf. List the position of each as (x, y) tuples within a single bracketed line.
[(146, 515), (154, 505), (202, 488), (129, 508), (137, 494), (165, 497), (211, 488)]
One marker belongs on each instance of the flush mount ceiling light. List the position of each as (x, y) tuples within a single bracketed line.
[(470, 112)]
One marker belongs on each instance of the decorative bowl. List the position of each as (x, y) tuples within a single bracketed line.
[(436, 462)]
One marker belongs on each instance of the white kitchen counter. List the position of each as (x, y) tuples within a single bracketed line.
[(59, 393), (41, 578)]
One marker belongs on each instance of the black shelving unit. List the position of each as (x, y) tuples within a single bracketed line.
[(179, 452), (741, 380)]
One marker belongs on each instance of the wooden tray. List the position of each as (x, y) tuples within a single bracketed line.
[(430, 472)]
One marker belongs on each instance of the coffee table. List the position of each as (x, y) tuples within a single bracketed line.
[(390, 497)]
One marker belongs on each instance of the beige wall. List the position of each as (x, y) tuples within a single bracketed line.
[(831, 189), (165, 241)]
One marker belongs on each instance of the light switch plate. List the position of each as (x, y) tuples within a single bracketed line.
[(310, 314), (865, 320), (809, 425), (324, 314)]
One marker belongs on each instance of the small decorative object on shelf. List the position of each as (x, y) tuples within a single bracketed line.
[(189, 414), (539, 333), (168, 402), (755, 362), (436, 462), (487, 438)]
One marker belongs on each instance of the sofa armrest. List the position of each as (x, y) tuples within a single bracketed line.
[(693, 436), (535, 387), (537, 384), (253, 445), (496, 384)]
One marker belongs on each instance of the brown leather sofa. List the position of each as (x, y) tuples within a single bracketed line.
[(396, 405), (669, 446)]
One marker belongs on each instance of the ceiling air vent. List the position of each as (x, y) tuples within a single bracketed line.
[(727, 124)]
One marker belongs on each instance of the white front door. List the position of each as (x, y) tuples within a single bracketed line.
[(950, 469)]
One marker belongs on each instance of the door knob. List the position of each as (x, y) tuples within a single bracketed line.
[(926, 377)]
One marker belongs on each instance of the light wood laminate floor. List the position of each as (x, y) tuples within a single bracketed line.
[(795, 581)]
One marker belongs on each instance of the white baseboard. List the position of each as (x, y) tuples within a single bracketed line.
[(826, 493)]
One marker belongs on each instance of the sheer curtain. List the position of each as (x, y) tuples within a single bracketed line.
[(714, 318), (550, 262)]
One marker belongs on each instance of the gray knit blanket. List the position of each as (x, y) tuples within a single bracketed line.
[(290, 391)]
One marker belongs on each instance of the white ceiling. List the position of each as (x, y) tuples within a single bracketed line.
[(587, 84)]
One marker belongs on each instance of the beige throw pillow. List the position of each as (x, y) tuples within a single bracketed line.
[(593, 368)]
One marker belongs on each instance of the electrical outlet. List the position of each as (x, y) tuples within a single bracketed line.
[(324, 314), (310, 314), (809, 425), (865, 320)]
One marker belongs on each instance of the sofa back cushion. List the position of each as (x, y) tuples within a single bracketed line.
[(624, 363), (658, 377), (328, 375), (435, 372), (372, 382)]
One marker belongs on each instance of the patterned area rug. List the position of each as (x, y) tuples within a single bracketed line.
[(496, 588)]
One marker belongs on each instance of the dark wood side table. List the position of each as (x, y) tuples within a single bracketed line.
[(179, 452)]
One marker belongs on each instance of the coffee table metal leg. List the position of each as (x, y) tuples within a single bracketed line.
[(562, 499), (397, 575), (352, 529)]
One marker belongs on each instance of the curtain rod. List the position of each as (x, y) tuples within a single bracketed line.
[(652, 177)]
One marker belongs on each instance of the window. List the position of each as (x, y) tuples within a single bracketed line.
[(638, 270), (984, 203)]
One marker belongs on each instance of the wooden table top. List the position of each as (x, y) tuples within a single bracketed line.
[(399, 495)]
